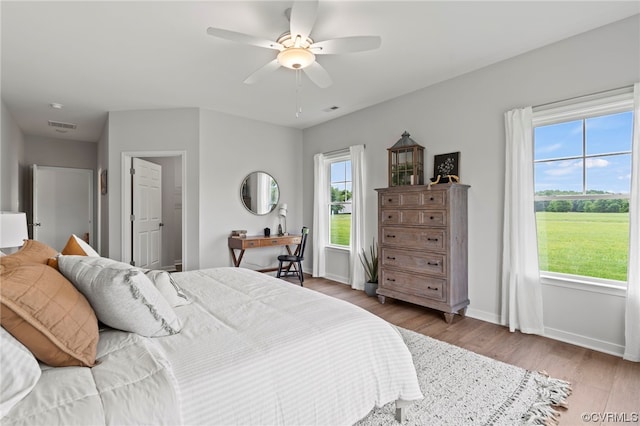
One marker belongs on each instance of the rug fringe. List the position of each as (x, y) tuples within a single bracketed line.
[(552, 394)]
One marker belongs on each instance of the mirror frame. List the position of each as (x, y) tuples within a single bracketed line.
[(244, 193)]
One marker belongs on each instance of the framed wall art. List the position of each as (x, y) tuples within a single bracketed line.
[(446, 167)]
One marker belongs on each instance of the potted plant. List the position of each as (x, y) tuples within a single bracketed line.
[(370, 264)]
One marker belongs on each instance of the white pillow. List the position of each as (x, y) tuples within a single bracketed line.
[(20, 371), (122, 297), (169, 289)]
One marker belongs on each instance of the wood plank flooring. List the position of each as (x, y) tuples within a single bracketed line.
[(602, 384)]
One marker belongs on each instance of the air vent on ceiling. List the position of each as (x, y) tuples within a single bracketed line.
[(331, 108), (62, 125)]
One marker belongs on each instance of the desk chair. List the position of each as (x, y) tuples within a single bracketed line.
[(294, 260)]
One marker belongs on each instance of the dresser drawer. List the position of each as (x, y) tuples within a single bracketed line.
[(431, 263), (424, 199), (414, 217), (414, 284), (414, 238)]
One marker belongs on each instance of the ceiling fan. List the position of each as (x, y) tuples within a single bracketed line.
[(297, 50)]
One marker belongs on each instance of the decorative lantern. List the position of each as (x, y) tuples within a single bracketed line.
[(406, 162)]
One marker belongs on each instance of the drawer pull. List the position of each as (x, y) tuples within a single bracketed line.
[(391, 279), (431, 239), (431, 199), (431, 217), (432, 288), (391, 258), (433, 263), (391, 236), (391, 200)]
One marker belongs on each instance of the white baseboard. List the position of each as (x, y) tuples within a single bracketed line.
[(560, 335), (584, 341), (484, 316)]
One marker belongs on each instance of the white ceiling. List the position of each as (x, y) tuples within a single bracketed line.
[(94, 57)]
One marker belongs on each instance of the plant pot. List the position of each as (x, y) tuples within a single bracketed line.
[(371, 288)]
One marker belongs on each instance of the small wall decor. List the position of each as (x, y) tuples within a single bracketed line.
[(103, 182), (446, 168), (406, 162)]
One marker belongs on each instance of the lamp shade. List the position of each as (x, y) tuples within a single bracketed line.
[(13, 229), (283, 210)]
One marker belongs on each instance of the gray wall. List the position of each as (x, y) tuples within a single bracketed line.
[(466, 114), (12, 163)]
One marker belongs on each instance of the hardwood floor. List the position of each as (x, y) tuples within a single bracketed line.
[(602, 384)]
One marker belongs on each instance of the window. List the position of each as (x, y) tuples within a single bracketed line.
[(582, 175), (340, 204)]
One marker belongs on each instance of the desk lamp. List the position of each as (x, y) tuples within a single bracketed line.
[(283, 213)]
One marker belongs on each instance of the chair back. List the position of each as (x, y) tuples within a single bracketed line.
[(303, 243)]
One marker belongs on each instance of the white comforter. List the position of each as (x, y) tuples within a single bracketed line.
[(253, 350)]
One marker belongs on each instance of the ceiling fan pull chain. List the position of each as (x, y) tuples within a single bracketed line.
[(298, 90)]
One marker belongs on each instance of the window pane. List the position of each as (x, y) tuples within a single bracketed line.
[(609, 174), (558, 140), (562, 176), (340, 232), (338, 192), (584, 243), (338, 172), (609, 133)]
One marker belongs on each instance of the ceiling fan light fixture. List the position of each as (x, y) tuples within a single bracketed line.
[(296, 58)]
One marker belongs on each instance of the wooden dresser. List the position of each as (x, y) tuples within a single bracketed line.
[(423, 246)]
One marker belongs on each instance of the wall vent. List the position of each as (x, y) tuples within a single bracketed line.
[(331, 108), (62, 125)]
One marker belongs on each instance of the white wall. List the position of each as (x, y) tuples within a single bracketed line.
[(466, 114), (11, 163), (230, 148), (148, 131)]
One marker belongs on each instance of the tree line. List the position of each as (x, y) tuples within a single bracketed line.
[(613, 205)]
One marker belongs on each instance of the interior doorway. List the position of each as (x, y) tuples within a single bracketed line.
[(142, 233)]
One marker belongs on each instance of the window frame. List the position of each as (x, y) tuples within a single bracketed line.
[(596, 105), (329, 160)]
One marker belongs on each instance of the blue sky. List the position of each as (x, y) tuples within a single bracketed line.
[(608, 160)]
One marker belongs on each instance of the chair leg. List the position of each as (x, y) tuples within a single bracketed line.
[(300, 275), (279, 270)]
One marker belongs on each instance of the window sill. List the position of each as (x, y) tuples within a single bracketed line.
[(338, 248), (610, 287)]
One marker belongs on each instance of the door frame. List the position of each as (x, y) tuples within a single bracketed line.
[(126, 199)]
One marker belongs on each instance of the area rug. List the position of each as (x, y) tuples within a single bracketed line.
[(461, 387)]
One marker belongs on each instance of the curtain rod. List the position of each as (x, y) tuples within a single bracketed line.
[(622, 89), (335, 151)]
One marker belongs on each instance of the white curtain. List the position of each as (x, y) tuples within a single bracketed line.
[(521, 289), (632, 312), (320, 219), (356, 271)]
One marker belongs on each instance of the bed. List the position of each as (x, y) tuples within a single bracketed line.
[(251, 350)]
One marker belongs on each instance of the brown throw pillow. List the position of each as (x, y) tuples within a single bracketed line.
[(46, 313), (31, 252), (75, 246)]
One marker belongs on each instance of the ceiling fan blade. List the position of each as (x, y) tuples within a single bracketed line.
[(243, 38), (318, 75), (303, 16), (346, 45), (261, 72)]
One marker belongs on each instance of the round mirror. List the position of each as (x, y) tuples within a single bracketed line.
[(259, 193)]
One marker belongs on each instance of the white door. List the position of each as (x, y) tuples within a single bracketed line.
[(146, 219), (62, 205)]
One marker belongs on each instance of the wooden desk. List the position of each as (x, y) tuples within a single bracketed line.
[(257, 241)]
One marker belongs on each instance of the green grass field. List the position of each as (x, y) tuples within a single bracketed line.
[(589, 244), (340, 229)]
